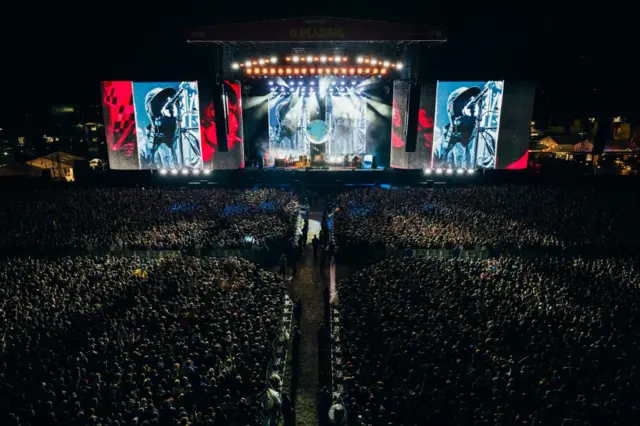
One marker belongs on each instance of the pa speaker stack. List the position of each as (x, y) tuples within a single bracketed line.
[(413, 108), (221, 116)]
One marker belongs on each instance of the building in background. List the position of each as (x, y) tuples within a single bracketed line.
[(58, 165)]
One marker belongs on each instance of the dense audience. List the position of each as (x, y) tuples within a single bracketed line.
[(499, 342), (507, 216), (146, 218), (120, 341)]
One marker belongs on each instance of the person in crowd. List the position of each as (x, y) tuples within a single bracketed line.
[(136, 218), (508, 341), (502, 217), (104, 341)]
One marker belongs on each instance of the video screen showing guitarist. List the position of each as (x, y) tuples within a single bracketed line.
[(169, 127), (467, 124)]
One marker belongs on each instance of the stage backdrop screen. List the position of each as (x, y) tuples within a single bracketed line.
[(421, 158), (328, 118), (166, 125)]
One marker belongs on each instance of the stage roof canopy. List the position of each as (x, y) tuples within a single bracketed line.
[(316, 29)]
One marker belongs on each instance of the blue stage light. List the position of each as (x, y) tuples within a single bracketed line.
[(271, 83)]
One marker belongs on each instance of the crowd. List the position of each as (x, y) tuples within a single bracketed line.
[(552, 341), (122, 341), (138, 218), (505, 217)]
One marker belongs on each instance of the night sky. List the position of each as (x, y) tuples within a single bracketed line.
[(582, 66)]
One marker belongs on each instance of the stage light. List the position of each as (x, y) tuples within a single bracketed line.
[(288, 59), (375, 70), (174, 172), (256, 70), (352, 70), (296, 58), (288, 71), (330, 58), (374, 61), (344, 58), (312, 70), (385, 64), (206, 171), (333, 83), (344, 70), (449, 171), (247, 64), (296, 71), (273, 59), (359, 70), (323, 59), (342, 83), (163, 171), (309, 58), (272, 70), (366, 60), (360, 59), (273, 89), (312, 90), (439, 171), (383, 71), (427, 171), (235, 66), (196, 171), (303, 71), (185, 171), (271, 83), (460, 171), (470, 171), (261, 61), (353, 83), (280, 71), (299, 83), (399, 65), (249, 71), (367, 70), (338, 59), (255, 62), (327, 71), (282, 89)]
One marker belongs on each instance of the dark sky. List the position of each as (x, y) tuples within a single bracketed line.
[(58, 54)]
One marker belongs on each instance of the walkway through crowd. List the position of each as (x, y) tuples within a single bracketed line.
[(307, 288)]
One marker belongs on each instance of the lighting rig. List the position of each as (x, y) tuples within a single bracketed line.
[(318, 65), (185, 172), (449, 171)]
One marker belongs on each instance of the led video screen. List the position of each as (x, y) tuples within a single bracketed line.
[(171, 125), (515, 125), (168, 122), (332, 119), (120, 124), (421, 157), (467, 123)]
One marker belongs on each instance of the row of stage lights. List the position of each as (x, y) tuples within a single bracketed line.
[(449, 171), (317, 65), (185, 172), (311, 59)]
